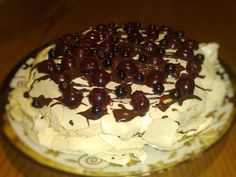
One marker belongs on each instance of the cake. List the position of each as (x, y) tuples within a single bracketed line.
[(112, 90)]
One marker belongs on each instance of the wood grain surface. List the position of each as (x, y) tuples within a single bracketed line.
[(25, 25)]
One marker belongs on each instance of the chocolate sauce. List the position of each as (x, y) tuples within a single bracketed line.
[(207, 90), (90, 116), (123, 114), (44, 101)]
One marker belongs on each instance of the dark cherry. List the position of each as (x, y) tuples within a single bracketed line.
[(94, 35), (98, 96), (170, 68), (88, 65), (121, 75), (60, 77), (165, 29), (58, 68), (149, 46), (37, 103), (115, 49), (199, 57), (96, 110), (190, 44), (64, 85), (46, 66), (69, 52), (143, 58), (185, 84), (154, 77), (72, 98), (101, 54), (175, 94), (161, 51), (100, 27), (127, 66), (135, 38), (126, 46), (179, 33), (140, 102), (114, 39), (68, 62), (153, 33), (105, 46), (61, 48), (111, 55), (111, 25), (158, 88), (163, 43), (139, 78), (125, 54), (80, 52), (193, 68), (107, 62), (185, 53), (52, 54), (76, 38), (120, 92), (66, 38), (100, 78), (87, 43), (174, 42), (156, 59), (152, 26)]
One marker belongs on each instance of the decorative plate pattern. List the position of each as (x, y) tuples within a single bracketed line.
[(83, 164)]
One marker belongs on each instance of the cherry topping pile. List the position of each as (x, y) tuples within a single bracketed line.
[(126, 55)]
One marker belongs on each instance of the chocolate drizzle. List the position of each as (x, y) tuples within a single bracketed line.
[(103, 55), (123, 114)]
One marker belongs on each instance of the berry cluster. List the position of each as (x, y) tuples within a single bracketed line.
[(103, 54)]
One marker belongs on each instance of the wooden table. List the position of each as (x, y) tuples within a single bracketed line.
[(26, 24)]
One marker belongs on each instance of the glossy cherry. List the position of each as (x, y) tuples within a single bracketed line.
[(88, 65), (72, 98), (98, 96), (140, 102), (154, 77), (100, 78), (185, 84)]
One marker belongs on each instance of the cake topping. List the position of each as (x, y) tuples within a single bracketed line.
[(175, 94), (99, 96), (153, 77), (170, 68), (185, 84), (37, 103), (127, 56), (140, 102), (88, 65), (96, 110), (120, 92), (72, 98), (100, 78), (143, 58), (139, 78), (158, 88), (193, 68)]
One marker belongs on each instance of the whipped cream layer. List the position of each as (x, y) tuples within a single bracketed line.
[(60, 128)]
